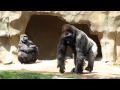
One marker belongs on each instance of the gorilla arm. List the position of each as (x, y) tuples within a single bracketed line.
[(35, 49), (22, 47), (61, 51)]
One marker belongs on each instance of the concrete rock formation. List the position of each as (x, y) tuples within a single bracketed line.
[(104, 24)]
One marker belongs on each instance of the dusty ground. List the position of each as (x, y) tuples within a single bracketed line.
[(101, 70)]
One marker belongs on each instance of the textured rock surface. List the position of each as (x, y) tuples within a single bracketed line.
[(105, 24)]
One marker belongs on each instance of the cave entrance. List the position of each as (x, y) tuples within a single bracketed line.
[(45, 31)]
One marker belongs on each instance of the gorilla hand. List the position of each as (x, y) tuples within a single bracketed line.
[(61, 66)]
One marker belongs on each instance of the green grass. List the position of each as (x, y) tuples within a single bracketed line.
[(35, 75), (24, 75)]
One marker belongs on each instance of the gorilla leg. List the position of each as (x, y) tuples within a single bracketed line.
[(25, 57), (22, 57), (32, 58), (91, 57), (79, 63)]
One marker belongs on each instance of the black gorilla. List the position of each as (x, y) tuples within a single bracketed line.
[(82, 46), (27, 51)]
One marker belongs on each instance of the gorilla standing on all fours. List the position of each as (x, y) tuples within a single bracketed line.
[(82, 46), (27, 51)]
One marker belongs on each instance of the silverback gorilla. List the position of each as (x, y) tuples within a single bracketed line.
[(82, 46), (27, 51)]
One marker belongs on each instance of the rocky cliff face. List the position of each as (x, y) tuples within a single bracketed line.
[(104, 24)]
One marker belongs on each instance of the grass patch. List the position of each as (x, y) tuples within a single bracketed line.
[(24, 75), (32, 75), (69, 76)]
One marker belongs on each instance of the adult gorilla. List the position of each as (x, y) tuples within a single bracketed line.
[(27, 51), (82, 46)]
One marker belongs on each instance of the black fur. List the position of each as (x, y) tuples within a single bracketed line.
[(81, 45), (27, 51)]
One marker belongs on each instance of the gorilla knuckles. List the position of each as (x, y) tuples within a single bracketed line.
[(83, 48)]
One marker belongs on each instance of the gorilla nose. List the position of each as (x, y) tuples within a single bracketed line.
[(66, 34)]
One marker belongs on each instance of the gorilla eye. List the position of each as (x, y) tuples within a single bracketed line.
[(25, 36), (66, 33)]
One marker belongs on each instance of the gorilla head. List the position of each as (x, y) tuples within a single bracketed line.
[(24, 38), (68, 33)]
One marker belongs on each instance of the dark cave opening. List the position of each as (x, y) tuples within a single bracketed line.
[(45, 31)]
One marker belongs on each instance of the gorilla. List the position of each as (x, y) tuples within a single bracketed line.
[(27, 51), (83, 47)]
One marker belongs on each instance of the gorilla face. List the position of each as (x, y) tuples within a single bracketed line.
[(24, 38), (68, 36), (68, 33)]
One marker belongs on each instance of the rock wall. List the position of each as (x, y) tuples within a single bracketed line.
[(105, 24)]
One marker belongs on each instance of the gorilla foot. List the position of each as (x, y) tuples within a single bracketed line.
[(88, 69), (76, 71), (62, 68), (73, 70), (79, 72)]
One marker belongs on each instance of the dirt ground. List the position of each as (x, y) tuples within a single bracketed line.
[(101, 70)]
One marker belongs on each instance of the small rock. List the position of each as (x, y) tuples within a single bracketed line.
[(6, 63)]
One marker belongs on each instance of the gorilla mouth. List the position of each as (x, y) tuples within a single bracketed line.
[(69, 39)]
